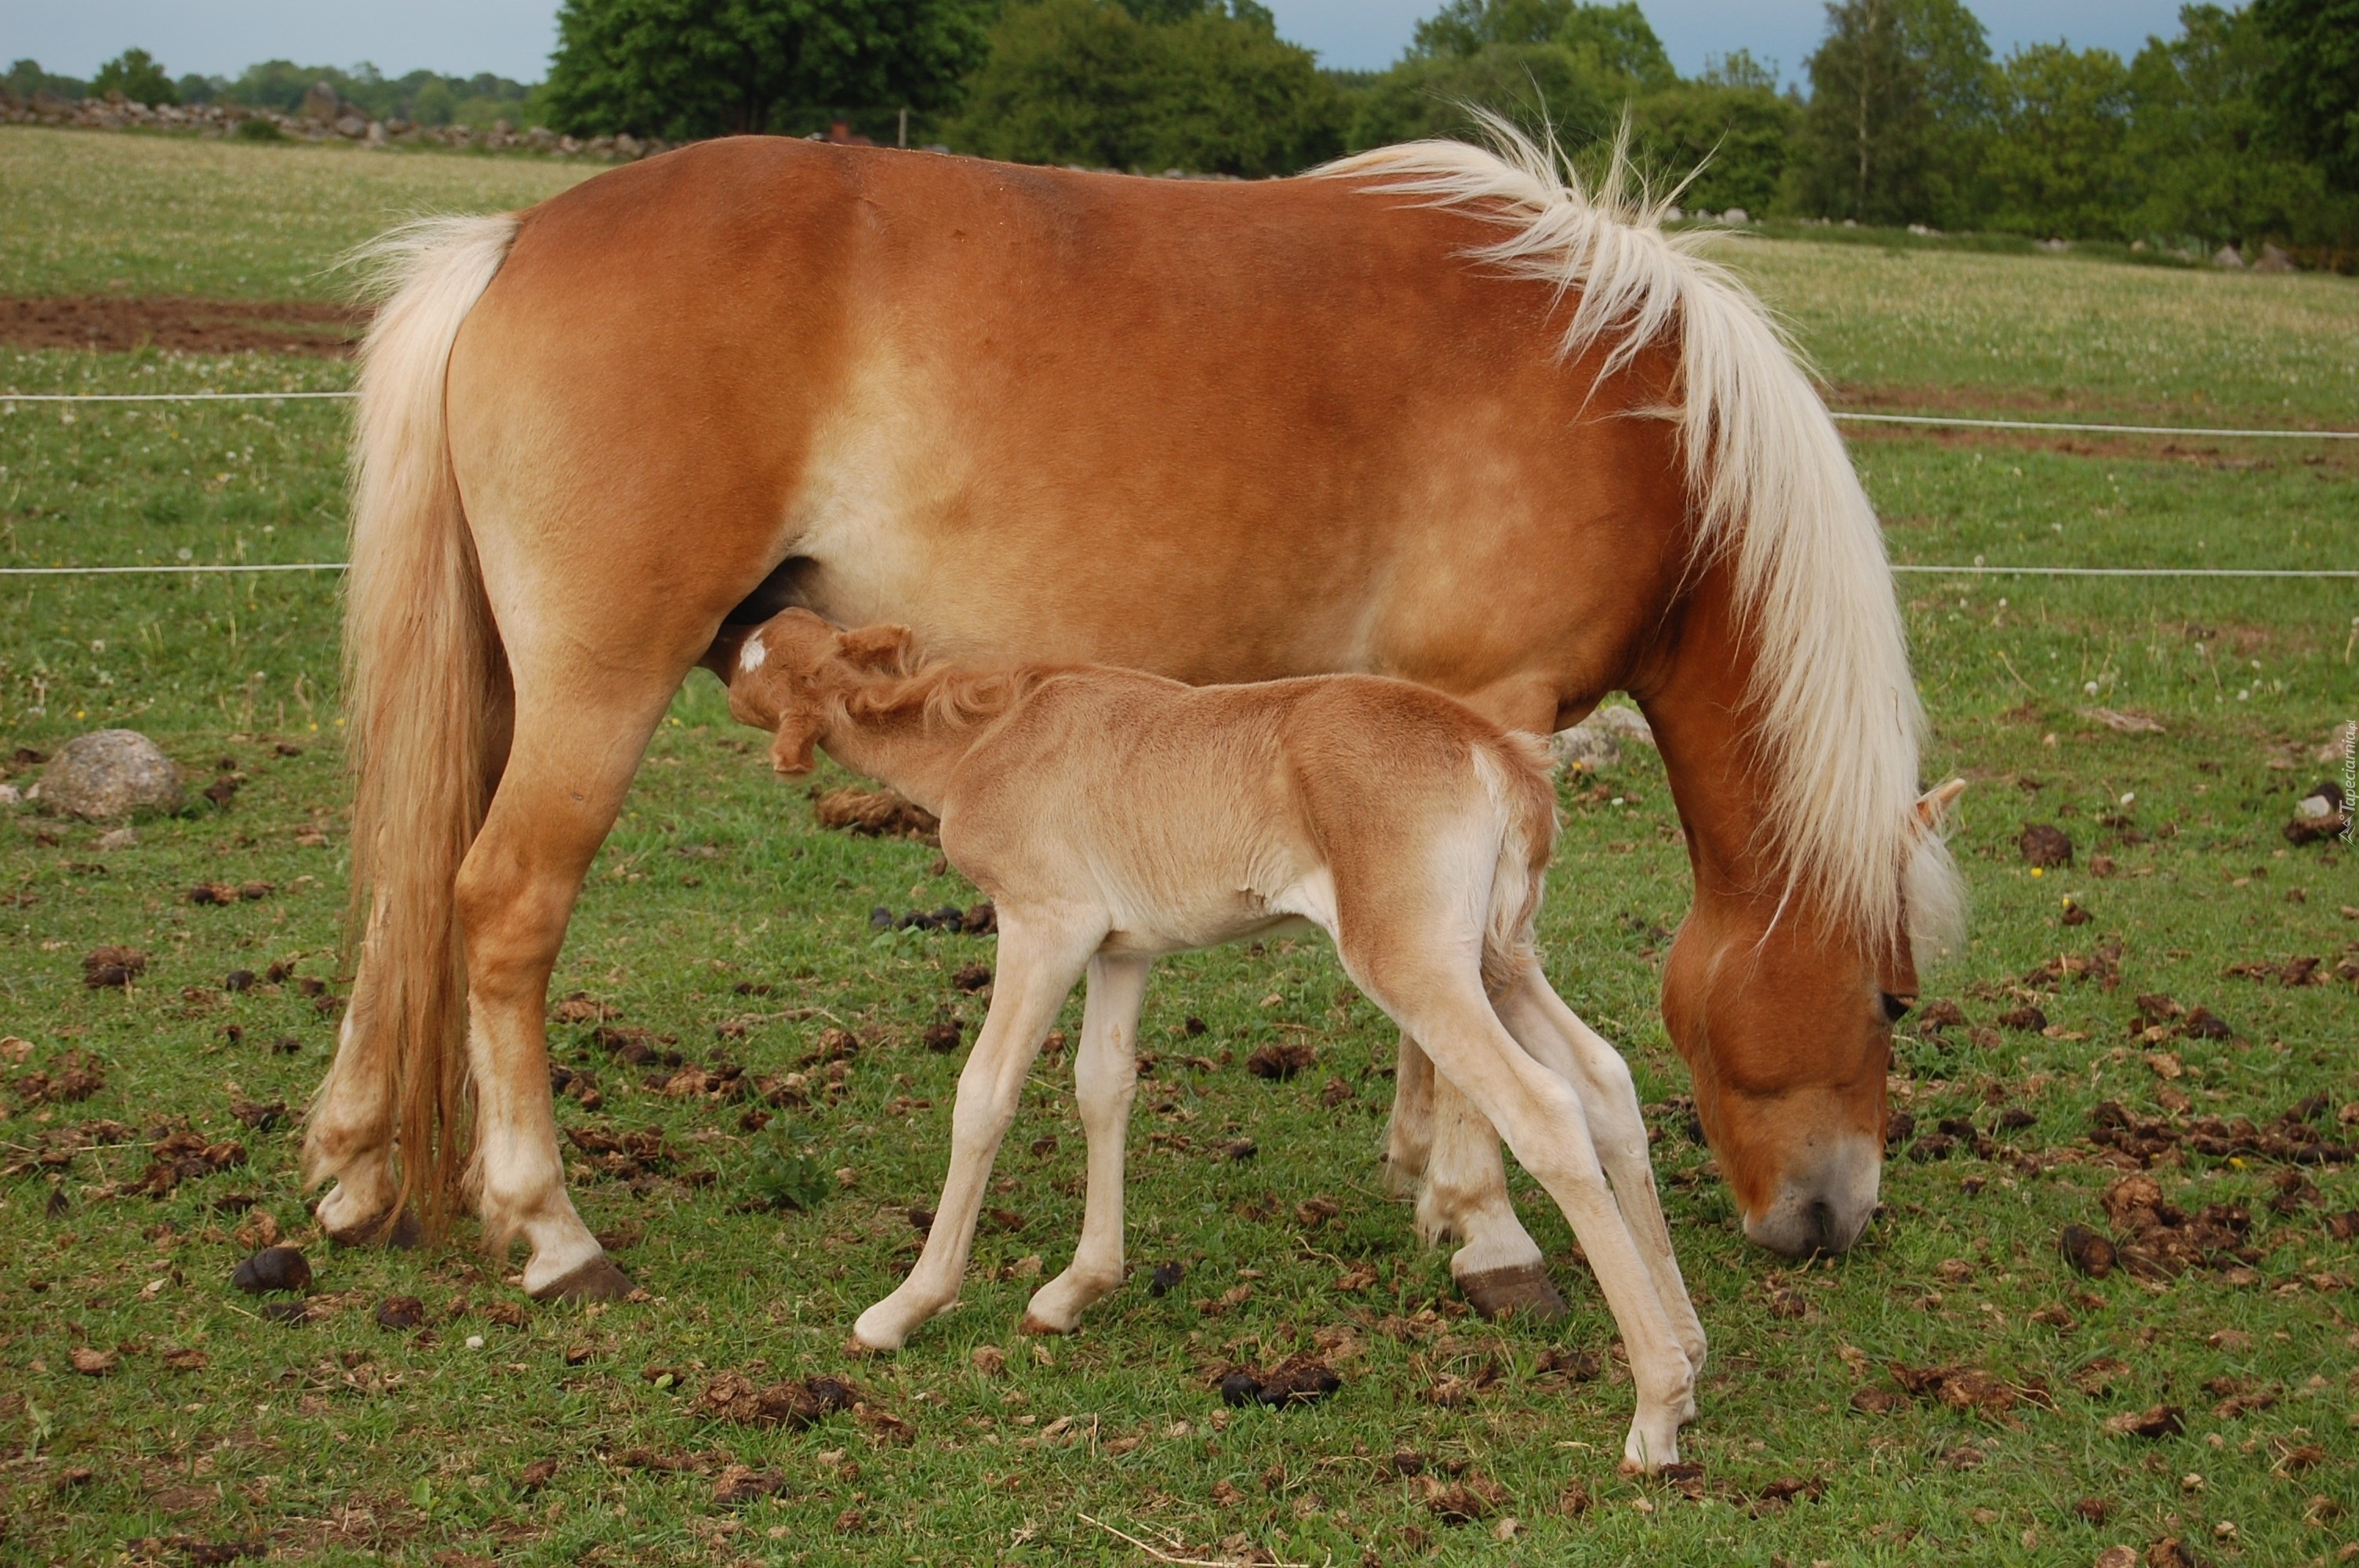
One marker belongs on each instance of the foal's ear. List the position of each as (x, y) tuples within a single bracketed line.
[(792, 750), (875, 647), (1933, 807)]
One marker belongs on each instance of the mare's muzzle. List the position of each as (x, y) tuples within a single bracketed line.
[(1823, 1205)]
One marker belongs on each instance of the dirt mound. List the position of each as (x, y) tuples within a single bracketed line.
[(116, 324)]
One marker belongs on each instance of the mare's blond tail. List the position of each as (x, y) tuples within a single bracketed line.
[(420, 663)]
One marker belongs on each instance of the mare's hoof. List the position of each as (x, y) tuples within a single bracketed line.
[(400, 1231), (595, 1281), (1525, 1290), (1040, 1326)]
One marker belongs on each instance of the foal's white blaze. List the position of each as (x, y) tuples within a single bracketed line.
[(752, 656)]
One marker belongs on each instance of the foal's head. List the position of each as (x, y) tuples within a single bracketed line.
[(1786, 1020), (793, 669)]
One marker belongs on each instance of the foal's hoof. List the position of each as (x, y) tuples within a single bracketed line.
[(400, 1231), (1525, 1290), (595, 1281)]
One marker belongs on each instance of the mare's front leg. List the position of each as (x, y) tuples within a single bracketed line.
[(1498, 1267), (1105, 1081), (1408, 1135), (1041, 954)]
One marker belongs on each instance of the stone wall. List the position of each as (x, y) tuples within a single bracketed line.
[(324, 118)]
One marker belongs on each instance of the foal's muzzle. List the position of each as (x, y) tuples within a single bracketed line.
[(1824, 1205)]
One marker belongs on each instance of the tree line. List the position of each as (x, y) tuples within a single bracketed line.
[(424, 97), (2242, 127)]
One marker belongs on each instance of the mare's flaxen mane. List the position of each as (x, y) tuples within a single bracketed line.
[(1774, 495)]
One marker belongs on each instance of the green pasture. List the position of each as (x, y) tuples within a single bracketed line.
[(723, 921)]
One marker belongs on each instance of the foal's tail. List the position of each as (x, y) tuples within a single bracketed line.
[(420, 663), (1514, 770)]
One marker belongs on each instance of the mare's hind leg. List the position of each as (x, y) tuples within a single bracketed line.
[(349, 1131), (1039, 960), (1105, 1081), (580, 732), (1558, 1040)]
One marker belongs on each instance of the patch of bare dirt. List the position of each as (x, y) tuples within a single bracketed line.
[(119, 323)]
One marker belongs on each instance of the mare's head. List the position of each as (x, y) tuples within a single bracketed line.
[(791, 672), (1785, 1016)]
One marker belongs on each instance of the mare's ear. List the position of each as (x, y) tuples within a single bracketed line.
[(792, 750), (875, 647), (1933, 807)]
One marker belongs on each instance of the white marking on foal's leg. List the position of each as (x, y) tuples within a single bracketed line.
[(752, 656), (1105, 1082), (1558, 1040), (1037, 968)]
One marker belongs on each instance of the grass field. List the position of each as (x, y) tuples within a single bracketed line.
[(507, 1430)]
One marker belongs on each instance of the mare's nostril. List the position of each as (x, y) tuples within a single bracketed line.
[(1822, 1226)]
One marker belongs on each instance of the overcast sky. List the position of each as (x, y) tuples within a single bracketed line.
[(514, 36)]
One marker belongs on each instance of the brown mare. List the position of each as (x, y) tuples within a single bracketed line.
[(1435, 413)]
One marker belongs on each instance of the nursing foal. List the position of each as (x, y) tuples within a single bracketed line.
[(1113, 817)]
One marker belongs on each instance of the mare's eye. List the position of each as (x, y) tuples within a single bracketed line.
[(1895, 1008)]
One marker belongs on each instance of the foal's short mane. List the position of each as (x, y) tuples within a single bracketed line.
[(940, 695), (1774, 495)]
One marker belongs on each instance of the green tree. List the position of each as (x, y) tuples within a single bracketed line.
[(1897, 116), (2206, 149), (25, 78), (1739, 69), (1211, 89), (2310, 85), (2056, 163), (699, 67), (1735, 139), (1542, 88), (136, 74), (1609, 40)]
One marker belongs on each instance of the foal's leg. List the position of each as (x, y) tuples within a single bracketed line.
[(1105, 1081), (1038, 962), (1541, 1115), (1558, 1040)]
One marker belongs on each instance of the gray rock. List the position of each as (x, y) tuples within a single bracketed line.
[(321, 103), (2273, 260), (2228, 255), (115, 838), (1594, 744), (1585, 749), (1626, 722), (11, 798), (111, 773), (1736, 215)]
